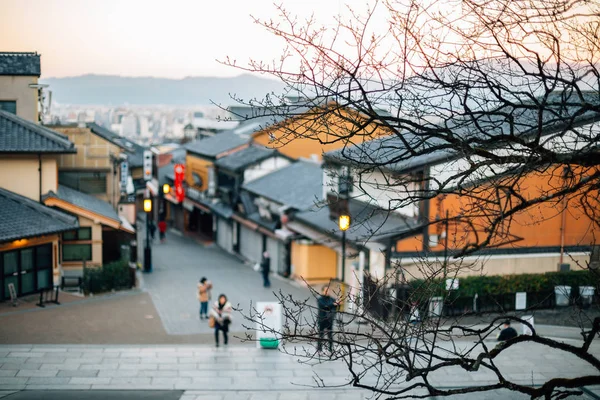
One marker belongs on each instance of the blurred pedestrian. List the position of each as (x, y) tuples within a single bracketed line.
[(414, 316), (162, 230), (152, 230), (507, 333), (265, 268), (204, 288), (220, 314), (327, 307)]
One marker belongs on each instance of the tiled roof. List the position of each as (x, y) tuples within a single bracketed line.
[(298, 185), (228, 140), (18, 135), (244, 158), (220, 143), (84, 201), (20, 64), (369, 223), (391, 153), (24, 218), (135, 152)]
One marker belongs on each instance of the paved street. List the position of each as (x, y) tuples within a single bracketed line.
[(149, 344), (204, 372), (178, 266)]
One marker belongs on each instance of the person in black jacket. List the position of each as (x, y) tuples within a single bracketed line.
[(327, 307), (507, 333), (265, 269)]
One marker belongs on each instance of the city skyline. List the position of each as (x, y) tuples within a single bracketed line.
[(144, 38)]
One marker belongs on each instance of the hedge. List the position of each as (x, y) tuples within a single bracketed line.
[(504, 284), (115, 275)]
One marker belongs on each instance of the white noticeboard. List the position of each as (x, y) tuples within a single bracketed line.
[(269, 318), (525, 329), (521, 301), (451, 284)]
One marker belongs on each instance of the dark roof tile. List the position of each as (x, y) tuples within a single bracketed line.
[(84, 201), (24, 218), (213, 146), (20, 64), (18, 135), (244, 158), (299, 185), (369, 223)]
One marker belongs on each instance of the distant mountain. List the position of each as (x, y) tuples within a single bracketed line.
[(118, 90)]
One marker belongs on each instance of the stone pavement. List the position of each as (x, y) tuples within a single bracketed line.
[(237, 372), (179, 264)]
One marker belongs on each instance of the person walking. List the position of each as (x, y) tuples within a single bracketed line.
[(152, 227), (327, 307), (204, 288), (220, 314), (265, 269), (162, 230)]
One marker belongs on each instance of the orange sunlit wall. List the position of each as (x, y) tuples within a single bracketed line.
[(316, 132), (537, 226), (199, 166)]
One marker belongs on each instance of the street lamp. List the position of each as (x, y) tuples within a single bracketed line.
[(147, 249), (166, 188), (344, 221)]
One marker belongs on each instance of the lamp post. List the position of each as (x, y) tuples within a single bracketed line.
[(147, 249), (166, 189), (344, 223)]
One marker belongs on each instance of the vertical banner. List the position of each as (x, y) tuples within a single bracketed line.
[(179, 175), (124, 175), (147, 165)]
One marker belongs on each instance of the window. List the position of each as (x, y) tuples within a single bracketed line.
[(86, 182), (79, 234), (9, 106), (77, 252), (345, 181), (72, 251)]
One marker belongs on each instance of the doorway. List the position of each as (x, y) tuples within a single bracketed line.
[(28, 269)]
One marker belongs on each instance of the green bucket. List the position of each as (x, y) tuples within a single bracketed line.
[(269, 343)]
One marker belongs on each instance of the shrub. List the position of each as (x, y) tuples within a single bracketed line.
[(505, 284), (115, 275)]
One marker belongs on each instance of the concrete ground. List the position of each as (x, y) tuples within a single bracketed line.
[(164, 311), (149, 343), (205, 372), (179, 264)]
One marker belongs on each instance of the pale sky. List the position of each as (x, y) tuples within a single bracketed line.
[(164, 38)]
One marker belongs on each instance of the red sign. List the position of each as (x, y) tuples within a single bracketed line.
[(179, 175)]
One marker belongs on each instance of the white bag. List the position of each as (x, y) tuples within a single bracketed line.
[(257, 267)]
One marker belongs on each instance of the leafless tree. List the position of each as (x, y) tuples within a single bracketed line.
[(501, 91)]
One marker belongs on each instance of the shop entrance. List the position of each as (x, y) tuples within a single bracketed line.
[(28, 269)]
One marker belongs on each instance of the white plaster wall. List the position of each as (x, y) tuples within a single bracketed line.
[(265, 167)]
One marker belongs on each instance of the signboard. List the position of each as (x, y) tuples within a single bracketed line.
[(179, 177), (188, 205), (147, 165), (124, 175), (451, 284), (524, 328), (269, 323), (521, 301), (13, 293)]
